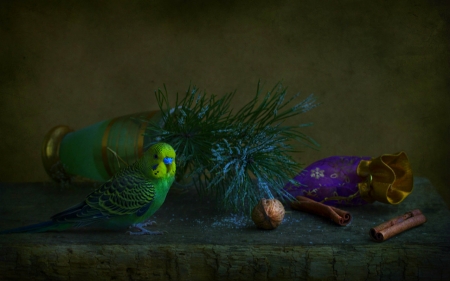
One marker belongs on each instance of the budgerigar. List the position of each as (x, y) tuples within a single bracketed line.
[(128, 199)]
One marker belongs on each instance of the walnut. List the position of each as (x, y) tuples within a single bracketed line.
[(268, 214)]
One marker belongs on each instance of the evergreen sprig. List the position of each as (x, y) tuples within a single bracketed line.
[(239, 157)]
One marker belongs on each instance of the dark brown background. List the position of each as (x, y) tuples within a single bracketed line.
[(381, 69)]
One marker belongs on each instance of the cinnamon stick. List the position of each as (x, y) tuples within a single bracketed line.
[(397, 225), (305, 204)]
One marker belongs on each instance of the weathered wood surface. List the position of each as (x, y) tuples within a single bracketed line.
[(204, 244)]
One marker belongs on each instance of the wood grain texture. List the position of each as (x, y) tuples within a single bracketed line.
[(215, 262), (205, 244)]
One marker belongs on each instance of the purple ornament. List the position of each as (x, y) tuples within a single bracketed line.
[(332, 181), (352, 181)]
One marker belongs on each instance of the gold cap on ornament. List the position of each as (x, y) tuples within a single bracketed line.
[(389, 178), (50, 153)]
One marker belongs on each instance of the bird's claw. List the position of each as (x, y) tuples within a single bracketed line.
[(148, 223), (142, 230), (139, 225)]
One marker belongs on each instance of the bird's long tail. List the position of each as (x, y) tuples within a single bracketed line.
[(39, 227)]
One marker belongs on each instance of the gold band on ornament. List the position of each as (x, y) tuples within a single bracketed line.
[(50, 152), (105, 147), (139, 150), (365, 186)]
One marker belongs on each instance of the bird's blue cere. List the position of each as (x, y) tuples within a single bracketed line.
[(168, 160)]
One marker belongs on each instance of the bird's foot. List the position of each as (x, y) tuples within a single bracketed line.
[(143, 224), (148, 223), (142, 230)]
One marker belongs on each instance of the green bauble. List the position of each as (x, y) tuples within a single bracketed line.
[(96, 152)]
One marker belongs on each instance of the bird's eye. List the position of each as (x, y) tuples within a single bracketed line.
[(156, 156)]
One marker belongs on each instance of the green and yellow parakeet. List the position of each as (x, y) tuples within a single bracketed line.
[(128, 199)]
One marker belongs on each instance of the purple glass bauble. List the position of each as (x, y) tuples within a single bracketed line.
[(332, 181)]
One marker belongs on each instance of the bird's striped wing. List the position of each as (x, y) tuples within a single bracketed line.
[(122, 195)]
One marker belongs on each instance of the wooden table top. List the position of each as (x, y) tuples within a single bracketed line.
[(217, 241)]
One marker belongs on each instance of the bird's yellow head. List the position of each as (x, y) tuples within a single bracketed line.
[(161, 160)]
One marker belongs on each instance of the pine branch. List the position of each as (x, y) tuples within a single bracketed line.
[(226, 153)]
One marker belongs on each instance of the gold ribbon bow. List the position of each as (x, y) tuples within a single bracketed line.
[(389, 178)]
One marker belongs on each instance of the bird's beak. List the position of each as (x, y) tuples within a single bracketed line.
[(168, 160)]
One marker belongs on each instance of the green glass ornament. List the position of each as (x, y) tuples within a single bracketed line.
[(97, 151)]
